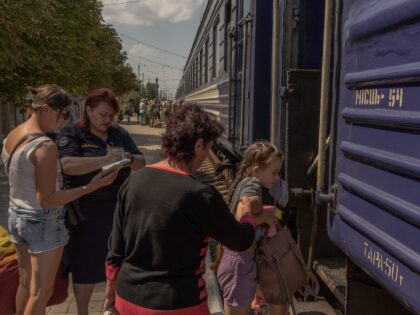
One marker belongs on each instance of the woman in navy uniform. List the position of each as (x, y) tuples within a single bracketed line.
[(85, 147)]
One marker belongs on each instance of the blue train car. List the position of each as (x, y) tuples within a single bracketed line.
[(228, 69), (376, 218), (256, 66)]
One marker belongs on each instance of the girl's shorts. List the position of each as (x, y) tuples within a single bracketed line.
[(43, 231), (237, 277)]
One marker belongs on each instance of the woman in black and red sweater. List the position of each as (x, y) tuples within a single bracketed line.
[(163, 221)]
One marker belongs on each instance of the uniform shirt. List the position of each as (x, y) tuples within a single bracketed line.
[(162, 225), (74, 141)]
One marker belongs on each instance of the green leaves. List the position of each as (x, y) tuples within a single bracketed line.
[(64, 42)]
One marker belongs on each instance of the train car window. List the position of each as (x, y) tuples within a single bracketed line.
[(196, 73), (228, 39), (193, 76), (201, 67), (197, 80), (206, 62), (189, 80), (215, 49), (246, 6)]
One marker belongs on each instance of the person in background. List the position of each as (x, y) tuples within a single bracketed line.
[(136, 109), (151, 112), (129, 110), (142, 111), (85, 147), (36, 212), (158, 245), (157, 110), (166, 110)]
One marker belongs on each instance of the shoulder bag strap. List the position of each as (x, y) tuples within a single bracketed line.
[(31, 137), (312, 287), (280, 277), (289, 294)]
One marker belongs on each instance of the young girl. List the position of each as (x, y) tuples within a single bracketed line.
[(236, 274)]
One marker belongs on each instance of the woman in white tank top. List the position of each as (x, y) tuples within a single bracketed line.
[(36, 213)]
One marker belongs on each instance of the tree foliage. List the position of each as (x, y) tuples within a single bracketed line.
[(64, 42), (151, 90)]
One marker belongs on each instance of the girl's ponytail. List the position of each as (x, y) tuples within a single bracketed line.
[(260, 153)]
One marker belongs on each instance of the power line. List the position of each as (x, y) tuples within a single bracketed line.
[(153, 46), (128, 2), (161, 64), (151, 69), (160, 75), (149, 73)]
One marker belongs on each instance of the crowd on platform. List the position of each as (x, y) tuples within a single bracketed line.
[(148, 112)]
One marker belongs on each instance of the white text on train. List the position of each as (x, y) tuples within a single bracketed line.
[(384, 264), (369, 97)]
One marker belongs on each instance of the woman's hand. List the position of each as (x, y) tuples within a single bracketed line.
[(112, 155), (251, 204), (109, 294), (101, 180), (129, 156), (266, 217), (137, 160)]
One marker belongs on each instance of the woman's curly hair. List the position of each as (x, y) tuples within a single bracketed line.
[(186, 125)]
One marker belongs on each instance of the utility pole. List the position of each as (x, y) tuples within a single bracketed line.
[(157, 87), (138, 76)]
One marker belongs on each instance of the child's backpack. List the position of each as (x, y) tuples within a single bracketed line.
[(281, 269)]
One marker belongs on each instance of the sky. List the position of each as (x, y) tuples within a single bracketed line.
[(170, 25)]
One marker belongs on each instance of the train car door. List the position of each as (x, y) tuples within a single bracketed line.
[(298, 75), (278, 120), (376, 164)]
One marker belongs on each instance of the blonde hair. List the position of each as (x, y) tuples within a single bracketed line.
[(50, 94), (260, 153)]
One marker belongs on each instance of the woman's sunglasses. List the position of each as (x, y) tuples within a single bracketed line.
[(65, 114)]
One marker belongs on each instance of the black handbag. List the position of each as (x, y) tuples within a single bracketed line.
[(74, 215)]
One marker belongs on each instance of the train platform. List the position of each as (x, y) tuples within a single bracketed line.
[(148, 140)]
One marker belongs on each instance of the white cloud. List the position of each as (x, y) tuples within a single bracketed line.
[(150, 12), (139, 50)]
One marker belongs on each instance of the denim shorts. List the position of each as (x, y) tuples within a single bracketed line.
[(43, 231)]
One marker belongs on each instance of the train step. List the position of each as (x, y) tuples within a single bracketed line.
[(332, 271)]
